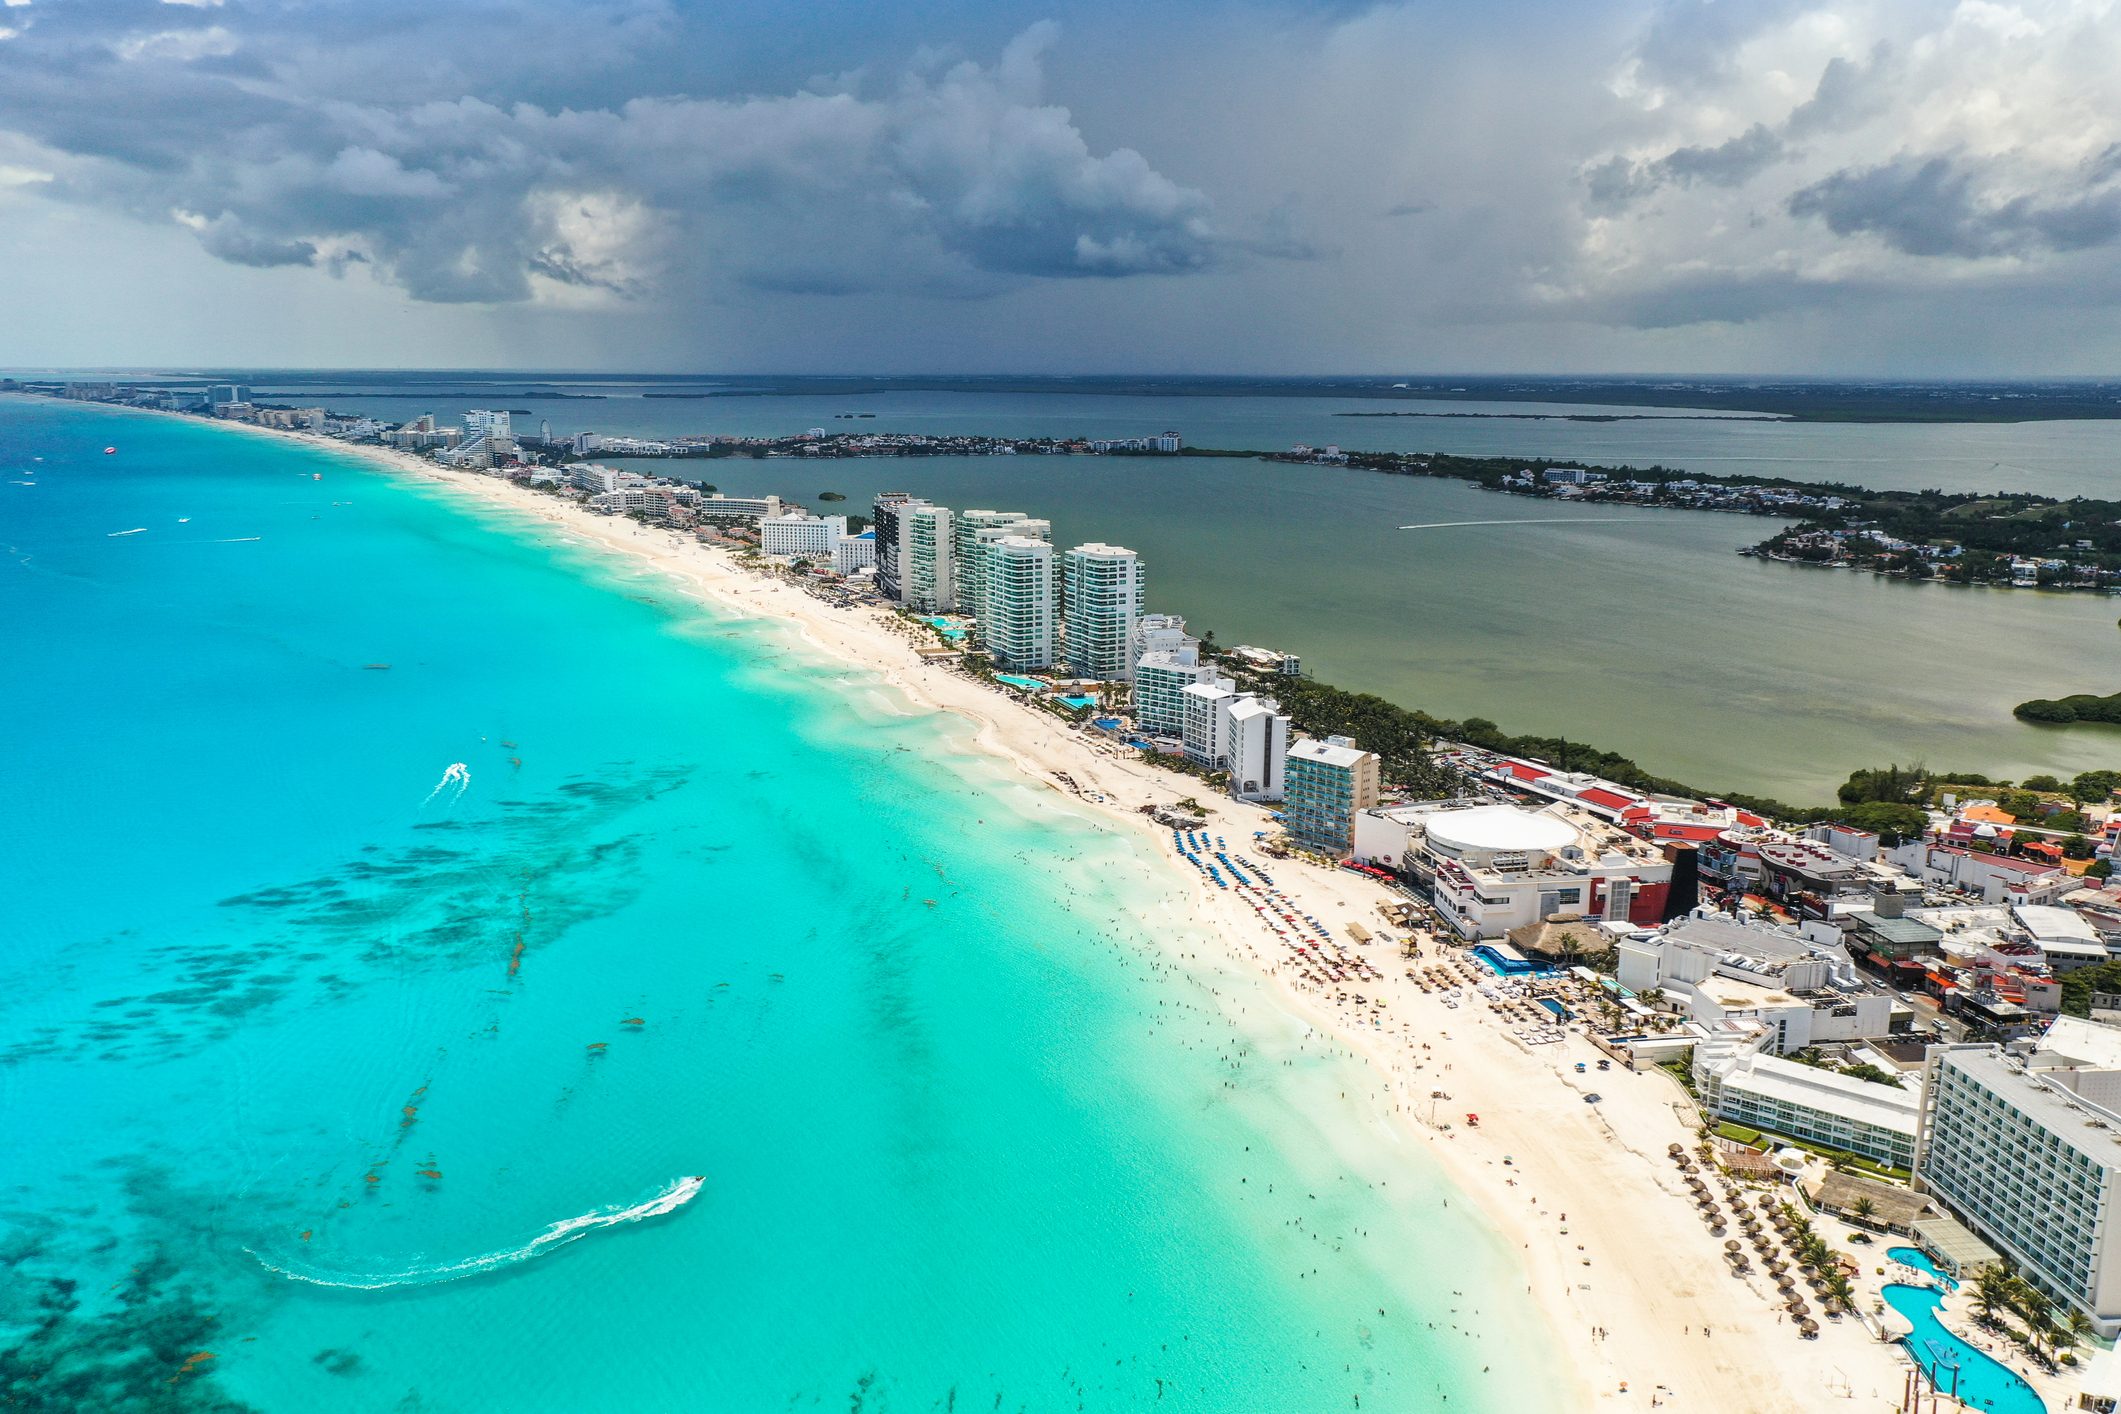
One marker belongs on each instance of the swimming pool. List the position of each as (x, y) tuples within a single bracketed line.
[(1958, 1368), (1920, 1260), (1027, 684), (1078, 703), (1510, 967), (1561, 1013)]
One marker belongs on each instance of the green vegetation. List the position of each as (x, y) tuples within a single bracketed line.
[(831, 496), (2078, 707), (2079, 984)]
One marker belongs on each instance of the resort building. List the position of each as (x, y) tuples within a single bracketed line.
[(1104, 601), (1493, 868), (1166, 663), (801, 535), (2023, 1146), (884, 519), (720, 507), (1740, 1083), (1256, 747), (964, 559), (1797, 991), (924, 559), (979, 548), (854, 552), (1017, 628), (1203, 720), (1328, 783)]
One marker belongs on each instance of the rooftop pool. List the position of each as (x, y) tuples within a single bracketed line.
[(1979, 1381)]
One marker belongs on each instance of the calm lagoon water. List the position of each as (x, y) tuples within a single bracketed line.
[(348, 1068), (1654, 639)]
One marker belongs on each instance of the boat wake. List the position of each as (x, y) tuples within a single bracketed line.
[(676, 1196), (458, 775)]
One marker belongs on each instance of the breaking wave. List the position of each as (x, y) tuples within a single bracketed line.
[(676, 1196)]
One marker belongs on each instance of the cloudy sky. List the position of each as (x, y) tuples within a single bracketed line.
[(1871, 186)]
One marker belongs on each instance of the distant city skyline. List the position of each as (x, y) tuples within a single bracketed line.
[(1865, 187)]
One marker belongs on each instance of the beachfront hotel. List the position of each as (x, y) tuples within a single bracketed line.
[(801, 535), (979, 547), (924, 559), (1739, 1082), (1493, 868), (965, 565), (1104, 602), (1327, 783), (1166, 663), (1018, 626), (886, 517), (2023, 1145)]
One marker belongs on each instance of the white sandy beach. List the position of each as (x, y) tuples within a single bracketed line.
[(1632, 1283)]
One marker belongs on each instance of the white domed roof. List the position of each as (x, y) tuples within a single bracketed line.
[(1501, 827)]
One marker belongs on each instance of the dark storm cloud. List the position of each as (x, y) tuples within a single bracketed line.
[(293, 137), (1614, 183), (1943, 206)]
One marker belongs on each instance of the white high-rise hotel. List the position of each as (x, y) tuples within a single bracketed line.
[(925, 581), (1104, 602), (1018, 623), (965, 565), (978, 553), (1166, 663), (2026, 1151)]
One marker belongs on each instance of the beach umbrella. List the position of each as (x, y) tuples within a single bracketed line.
[(1731, 1246), (1783, 1283), (1809, 1327)]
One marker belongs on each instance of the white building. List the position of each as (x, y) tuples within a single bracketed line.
[(720, 507), (2024, 1148), (965, 563), (854, 552), (1739, 1082), (1018, 626), (800, 535), (1492, 868), (1797, 991), (979, 548), (924, 559), (1996, 878), (1204, 720), (1166, 663), (1103, 602), (1256, 747)]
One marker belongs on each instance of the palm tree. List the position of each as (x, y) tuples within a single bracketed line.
[(1992, 1291), (1865, 1208)]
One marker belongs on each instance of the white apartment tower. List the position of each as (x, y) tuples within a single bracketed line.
[(965, 565), (1255, 746), (979, 550), (1104, 602), (924, 559), (1017, 627)]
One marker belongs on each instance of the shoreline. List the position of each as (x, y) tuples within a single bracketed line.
[(1612, 1267)]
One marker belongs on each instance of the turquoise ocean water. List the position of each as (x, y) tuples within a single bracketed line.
[(389, 1085)]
